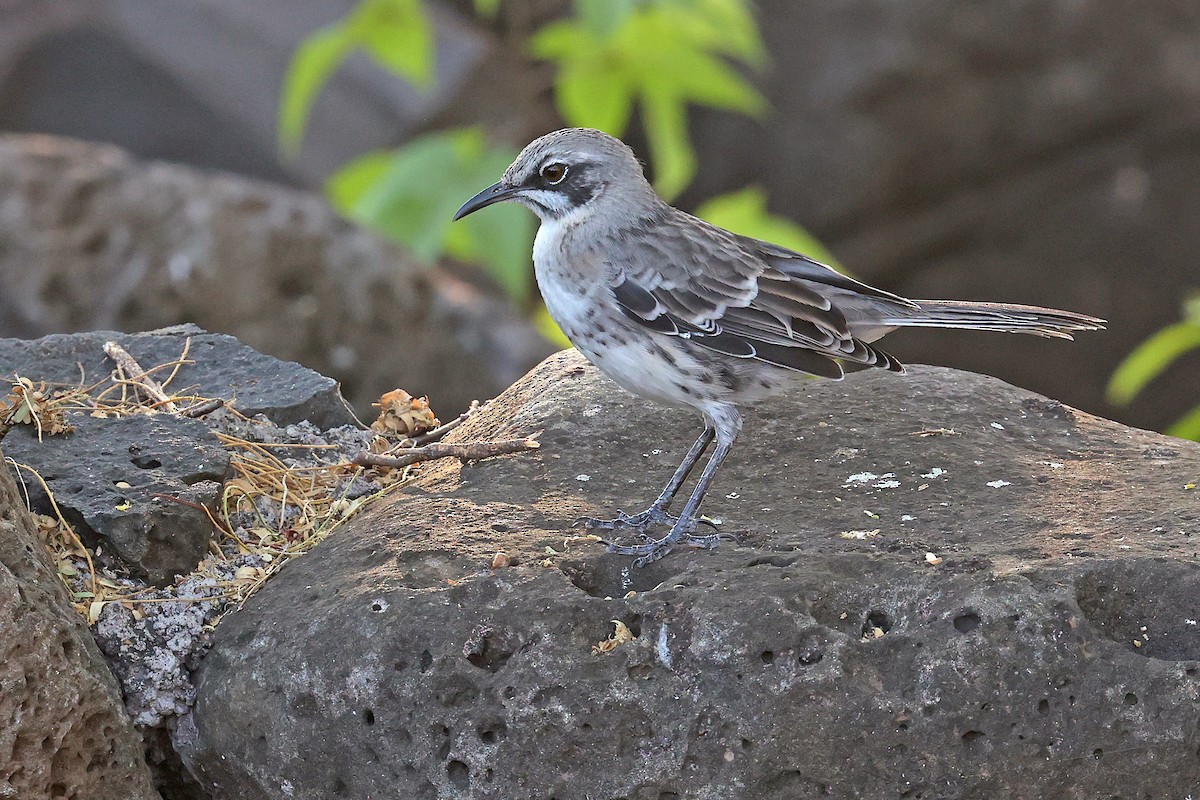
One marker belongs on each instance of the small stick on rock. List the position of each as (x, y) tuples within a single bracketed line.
[(204, 407), (469, 451), (138, 376), (437, 433)]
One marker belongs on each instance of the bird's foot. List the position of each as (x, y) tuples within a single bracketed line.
[(654, 515), (682, 532)]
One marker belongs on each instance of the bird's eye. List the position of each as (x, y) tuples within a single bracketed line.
[(554, 173)]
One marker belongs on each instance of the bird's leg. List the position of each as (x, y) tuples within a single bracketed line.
[(657, 512), (728, 424)]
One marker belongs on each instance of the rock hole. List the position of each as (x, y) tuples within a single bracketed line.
[(974, 741), (668, 796), (966, 622), (639, 671), (378, 606), (1131, 699), (767, 656), (368, 716), (459, 775), (747, 744), (809, 654), (492, 733), (773, 561), (339, 787), (1043, 706), (876, 620), (68, 648), (500, 527), (1098, 753), (1190, 672), (426, 661), (509, 693), (146, 462)]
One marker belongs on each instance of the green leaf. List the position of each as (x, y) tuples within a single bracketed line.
[(745, 212), (602, 17), (723, 26), (666, 129), (562, 41), (398, 35), (411, 194), (1188, 427), (345, 187), (590, 98), (693, 75), (1150, 359), (487, 8), (309, 69)]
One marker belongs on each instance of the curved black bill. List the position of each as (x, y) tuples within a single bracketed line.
[(493, 194)]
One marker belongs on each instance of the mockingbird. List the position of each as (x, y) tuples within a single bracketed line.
[(688, 314)]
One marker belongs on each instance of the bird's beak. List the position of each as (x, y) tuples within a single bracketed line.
[(493, 194)]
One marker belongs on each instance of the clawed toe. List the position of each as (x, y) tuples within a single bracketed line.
[(635, 522), (654, 549)]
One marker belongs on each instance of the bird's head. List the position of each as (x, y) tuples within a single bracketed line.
[(565, 171)]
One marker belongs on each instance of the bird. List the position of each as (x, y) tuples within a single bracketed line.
[(690, 315)]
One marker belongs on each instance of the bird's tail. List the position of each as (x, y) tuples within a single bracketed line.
[(1003, 317)]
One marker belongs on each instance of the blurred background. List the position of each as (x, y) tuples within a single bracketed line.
[(284, 171)]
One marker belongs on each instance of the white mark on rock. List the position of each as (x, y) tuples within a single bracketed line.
[(591, 412), (888, 484), (907, 518), (1053, 464), (583, 477), (664, 650), (998, 484), (936, 472), (732, 496), (997, 426)]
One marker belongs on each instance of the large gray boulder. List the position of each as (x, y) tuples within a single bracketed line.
[(91, 239), (945, 587), (64, 732)]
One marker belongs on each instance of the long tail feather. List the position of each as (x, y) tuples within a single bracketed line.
[(1003, 317)]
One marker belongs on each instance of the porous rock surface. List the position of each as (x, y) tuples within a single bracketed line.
[(63, 730), (217, 365), (945, 587), (137, 486), (140, 484), (92, 239)]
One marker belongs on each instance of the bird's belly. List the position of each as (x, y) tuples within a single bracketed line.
[(626, 353)]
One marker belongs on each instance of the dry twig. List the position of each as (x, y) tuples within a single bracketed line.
[(138, 375), (467, 451)]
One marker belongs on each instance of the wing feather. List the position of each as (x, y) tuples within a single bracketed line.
[(740, 297)]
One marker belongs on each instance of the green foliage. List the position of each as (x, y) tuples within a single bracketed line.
[(1152, 357), (487, 8), (396, 34), (612, 57), (411, 194), (659, 55), (745, 212)]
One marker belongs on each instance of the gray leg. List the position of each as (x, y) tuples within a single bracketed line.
[(657, 512), (728, 423)]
